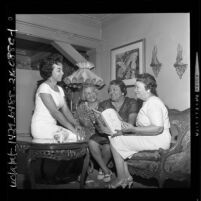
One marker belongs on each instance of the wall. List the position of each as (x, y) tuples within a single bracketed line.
[(68, 29), (26, 81), (164, 30)]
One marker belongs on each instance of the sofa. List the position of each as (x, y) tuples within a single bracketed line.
[(174, 163)]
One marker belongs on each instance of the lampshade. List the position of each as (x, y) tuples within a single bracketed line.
[(84, 76)]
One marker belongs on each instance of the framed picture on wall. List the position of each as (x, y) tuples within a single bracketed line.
[(127, 61)]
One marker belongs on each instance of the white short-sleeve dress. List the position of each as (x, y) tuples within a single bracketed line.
[(153, 112), (43, 126)]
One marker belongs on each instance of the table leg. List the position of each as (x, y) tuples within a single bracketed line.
[(30, 172), (43, 175), (84, 169)]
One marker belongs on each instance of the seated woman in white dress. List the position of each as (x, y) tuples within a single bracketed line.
[(150, 133), (51, 107)]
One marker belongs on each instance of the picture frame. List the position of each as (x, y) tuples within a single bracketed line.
[(127, 61)]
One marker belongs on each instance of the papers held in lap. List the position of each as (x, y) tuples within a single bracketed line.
[(110, 119)]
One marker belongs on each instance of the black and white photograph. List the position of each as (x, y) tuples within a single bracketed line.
[(64, 66)]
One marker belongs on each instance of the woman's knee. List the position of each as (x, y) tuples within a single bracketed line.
[(92, 144), (106, 148)]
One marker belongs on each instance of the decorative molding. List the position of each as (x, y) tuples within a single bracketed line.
[(98, 17), (68, 34)]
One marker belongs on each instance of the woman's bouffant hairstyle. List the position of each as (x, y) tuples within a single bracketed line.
[(149, 81), (85, 86), (121, 85), (46, 64)]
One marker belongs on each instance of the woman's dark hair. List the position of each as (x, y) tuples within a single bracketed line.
[(46, 64), (149, 81), (121, 85)]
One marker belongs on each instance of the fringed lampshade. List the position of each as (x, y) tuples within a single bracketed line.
[(84, 76)]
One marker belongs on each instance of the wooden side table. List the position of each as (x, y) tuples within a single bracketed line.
[(58, 152)]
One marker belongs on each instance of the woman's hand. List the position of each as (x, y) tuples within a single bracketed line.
[(101, 127), (80, 132), (118, 133), (127, 128), (78, 128), (105, 130)]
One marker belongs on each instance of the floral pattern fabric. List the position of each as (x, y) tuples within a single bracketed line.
[(86, 117)]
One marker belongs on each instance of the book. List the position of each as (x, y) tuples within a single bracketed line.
[(110, 119)]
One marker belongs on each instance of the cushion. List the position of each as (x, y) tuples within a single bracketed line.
[(147, 155), (144, 165), (178, 164)]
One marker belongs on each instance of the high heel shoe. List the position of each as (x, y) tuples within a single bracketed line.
[(129, 182), (100, 175), (107, 177), (121, 184)]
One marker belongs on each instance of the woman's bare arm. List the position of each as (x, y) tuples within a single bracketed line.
[(67, 113), (51, 106), (144, 131), (139, 131)]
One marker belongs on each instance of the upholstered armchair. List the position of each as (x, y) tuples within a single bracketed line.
[(176, 162), (173, 163)]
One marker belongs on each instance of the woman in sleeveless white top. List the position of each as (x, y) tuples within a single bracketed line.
[(151, 131), (50, 107), (152, 111), (43, 125)]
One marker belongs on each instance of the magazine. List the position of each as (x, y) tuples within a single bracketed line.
[(110, 119)]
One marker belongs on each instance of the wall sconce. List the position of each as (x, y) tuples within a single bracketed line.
[(179, 66), (155, 64)]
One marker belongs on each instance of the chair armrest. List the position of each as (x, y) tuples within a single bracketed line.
[(150, 155), (173, 150), (167, 152)]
